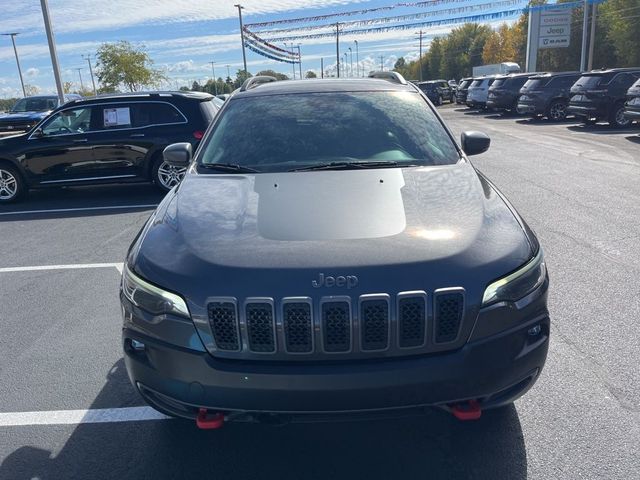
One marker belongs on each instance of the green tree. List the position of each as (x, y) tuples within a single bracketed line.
[(619, 27), (121, 65), (434, 60), (462, 48), (273, 73), (241, 76), (310, 74)]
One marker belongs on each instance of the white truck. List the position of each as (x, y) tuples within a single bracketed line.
[(496, 69)]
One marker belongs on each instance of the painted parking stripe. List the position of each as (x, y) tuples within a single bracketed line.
[(77, 266), (76, 417), (83, 209)]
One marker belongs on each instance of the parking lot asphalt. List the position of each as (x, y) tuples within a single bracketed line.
[(579, 189)]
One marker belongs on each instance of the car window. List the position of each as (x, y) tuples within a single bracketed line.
[(464, 84), (563, 82), (72, 121), (151, 113), (210, 108), (35, 104), (624, 80), (476, 83), (589, 81), (535, 83), (498, 82), (316, 128), (516, 82)]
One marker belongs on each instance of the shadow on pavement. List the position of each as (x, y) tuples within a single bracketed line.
[(600, 129), (431, 446), (634, 138)]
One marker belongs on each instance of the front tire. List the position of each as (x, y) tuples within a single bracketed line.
[(12, 186), (617, 118), (557, 111), (166, 176)]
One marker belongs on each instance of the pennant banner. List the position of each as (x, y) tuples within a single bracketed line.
[(269, 46), (268, 55)]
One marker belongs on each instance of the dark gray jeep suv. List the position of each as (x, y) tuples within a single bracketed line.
[(331, 250)]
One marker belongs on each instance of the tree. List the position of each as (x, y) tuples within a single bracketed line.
[(272, 73), (310, 74), (67, 87), (434, 59), (619, 24), (31, 90), (241, 76), (121, 65)]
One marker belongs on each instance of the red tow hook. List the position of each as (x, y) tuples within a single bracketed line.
[(469, 410), (206, 421)]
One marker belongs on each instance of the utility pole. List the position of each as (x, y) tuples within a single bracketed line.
[(213, 78), (244, 55), (585, 25), (351, 61), (93, 82), (228, 73), (346, 68), (52, 49), (357, 59), (382, 63), (420, 57), (299, 60), (293, 62), (592, 37), (80, 75), (321, 67), (15, 50), (338, 47)]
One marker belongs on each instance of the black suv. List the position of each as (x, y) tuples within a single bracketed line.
[(340, 258), (108, 139), (505, 91), (461, 91), (600, 95), (632, 107), (547, 95), (437, 91)]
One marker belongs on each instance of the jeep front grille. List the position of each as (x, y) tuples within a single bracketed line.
[(223, 320), (409, 323)]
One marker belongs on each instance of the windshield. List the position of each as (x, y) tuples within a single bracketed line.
[(498, 82), (284, 132), (535, 83), (35, 104), (464, 84), (588, 81)]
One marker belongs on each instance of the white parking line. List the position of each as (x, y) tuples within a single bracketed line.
[(83, 209), (76, 417), (77, 266)]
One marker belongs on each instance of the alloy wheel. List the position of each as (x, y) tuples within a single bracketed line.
[(621, 120), (8, 185), (558, 111), (170, 175)]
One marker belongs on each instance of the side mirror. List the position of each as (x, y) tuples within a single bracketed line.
[(474, 143), (178, 154)]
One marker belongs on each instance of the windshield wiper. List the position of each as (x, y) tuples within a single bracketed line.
[(347, 165), (228, 167)]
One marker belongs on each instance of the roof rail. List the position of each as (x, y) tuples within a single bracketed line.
[(394, 77), (253, 82)]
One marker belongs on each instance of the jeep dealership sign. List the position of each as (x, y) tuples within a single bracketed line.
[(555, 28)]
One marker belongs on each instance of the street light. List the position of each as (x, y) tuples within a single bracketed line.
[(15, 50), (80, 74), (345, 64), (244, 55), (213, 77), (93, 82), (357, 59), (299, 59), (351, 63)]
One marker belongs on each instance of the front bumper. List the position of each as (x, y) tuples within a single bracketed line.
[(494, 368)]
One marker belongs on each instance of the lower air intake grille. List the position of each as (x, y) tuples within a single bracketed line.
[(224, 325), (336, 326), (297, 327), (374, 317), (448, 316), (260, 327), (412, 320)]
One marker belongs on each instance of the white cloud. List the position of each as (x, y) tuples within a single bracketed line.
[(32, 72)]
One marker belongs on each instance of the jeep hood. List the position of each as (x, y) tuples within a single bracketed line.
[(22, 116), (271, 234)]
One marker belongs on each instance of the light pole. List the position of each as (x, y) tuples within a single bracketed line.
[(93, 82), (345, 65), (80, 75), (381, 63), (299, 60), (338, 48), (52, 49), (228, 73), (244, 55), (357, 59), (420, 57), (351, 61), (213, 78), (15, 50)]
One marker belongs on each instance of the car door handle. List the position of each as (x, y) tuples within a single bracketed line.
[(137, 135), (81, 140)]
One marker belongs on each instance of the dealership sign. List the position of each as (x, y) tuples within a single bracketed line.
[(555, 28)]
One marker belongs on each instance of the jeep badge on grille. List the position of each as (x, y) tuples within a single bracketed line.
[(348, 281)]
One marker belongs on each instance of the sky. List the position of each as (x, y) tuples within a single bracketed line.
[(183, 36)]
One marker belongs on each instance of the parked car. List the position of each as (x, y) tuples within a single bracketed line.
[(454, 88), (461, 91), (108, 139), (632, 107), (547, 95), (343, 257), (437, 90), (478, 92), (505, 90), (28, 111), (600, 95)]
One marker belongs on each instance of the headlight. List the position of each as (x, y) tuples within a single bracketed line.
[(151, 298), (518, 284)]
